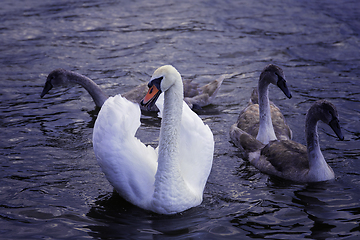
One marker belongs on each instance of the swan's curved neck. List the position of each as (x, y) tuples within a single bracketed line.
[(168, 179), (94, 90), (319, 170), (170, 129), (266, 129)]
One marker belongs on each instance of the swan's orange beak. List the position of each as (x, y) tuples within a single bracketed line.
[(150, 94), (151, 97)]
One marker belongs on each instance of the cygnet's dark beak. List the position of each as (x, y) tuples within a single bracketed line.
[(48, 86), (335, 126), (281, 83)]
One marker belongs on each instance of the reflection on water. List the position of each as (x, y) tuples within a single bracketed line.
[(50, 184), (120, 217)]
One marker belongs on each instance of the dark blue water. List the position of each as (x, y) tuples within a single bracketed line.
[(50, 184)]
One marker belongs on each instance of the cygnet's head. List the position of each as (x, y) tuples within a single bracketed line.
[(56, 78), (326, 111), (275, 75)]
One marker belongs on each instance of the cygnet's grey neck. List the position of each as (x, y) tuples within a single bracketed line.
[(266, 129), (94, 90), (319, 170), (312, 138)]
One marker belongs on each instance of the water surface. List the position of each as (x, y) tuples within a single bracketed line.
[(50, 184)]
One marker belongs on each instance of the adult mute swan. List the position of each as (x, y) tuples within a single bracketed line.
[(165, 180), (291, 160), (262, 118), (194, 96)]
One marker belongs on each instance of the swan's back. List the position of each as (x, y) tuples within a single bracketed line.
[(283, 158), (286, 159)]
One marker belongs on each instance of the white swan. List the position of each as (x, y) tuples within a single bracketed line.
[(270, 124), (170, 178), (291, 160), (196, 97)]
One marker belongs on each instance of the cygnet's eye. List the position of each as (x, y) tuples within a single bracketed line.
[(280, 77)]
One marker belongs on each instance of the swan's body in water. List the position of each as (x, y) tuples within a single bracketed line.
[(170, 178), (194, 96), (262, 118), (291, 160)]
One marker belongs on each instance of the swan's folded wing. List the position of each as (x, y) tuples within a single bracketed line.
[(128, 164), (248, 119), (249, 146), (286, 156), (196, 148), (281, 128)]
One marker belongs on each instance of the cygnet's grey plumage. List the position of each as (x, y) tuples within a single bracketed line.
[(62, 77), (291, 160), (262, 118), (194, 96)]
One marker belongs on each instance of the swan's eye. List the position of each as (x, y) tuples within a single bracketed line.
[(156, 82)]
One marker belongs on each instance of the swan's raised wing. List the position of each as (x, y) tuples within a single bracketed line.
[(197, 145), (196, 148), (128, 164)]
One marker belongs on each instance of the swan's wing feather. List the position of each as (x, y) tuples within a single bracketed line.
[(196, 96), (250, 147), (128, 164), (196, 148), (191, 89), (281, 128), (287, 158), (248, 119), (212, 88)]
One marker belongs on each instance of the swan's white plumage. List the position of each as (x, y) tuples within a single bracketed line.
[(130, 166), (196, 142)]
